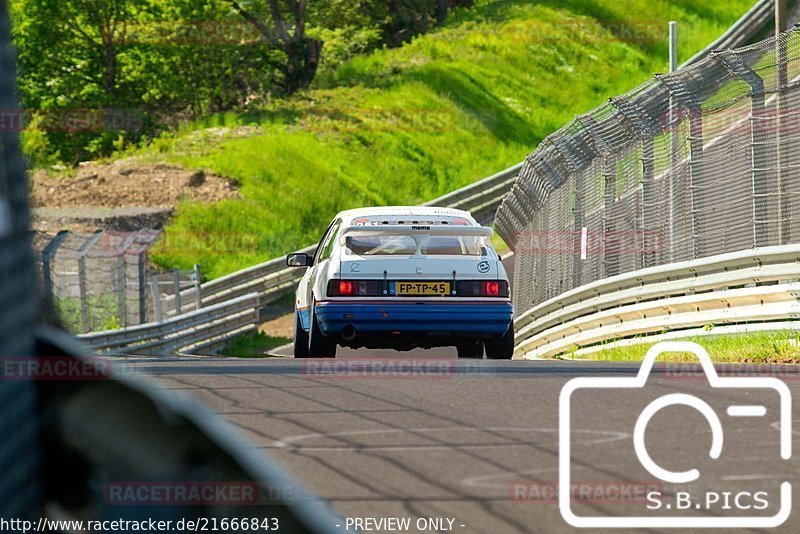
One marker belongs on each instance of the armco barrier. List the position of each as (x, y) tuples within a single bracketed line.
[(751, 286), (181, 332)]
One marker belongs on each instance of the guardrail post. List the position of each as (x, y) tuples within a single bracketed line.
[(198, 289), (176, 276), (156, 298), (48, 254)]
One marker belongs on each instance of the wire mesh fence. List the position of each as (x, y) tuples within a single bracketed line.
[(104, 281), (19, 420), (692, 164)]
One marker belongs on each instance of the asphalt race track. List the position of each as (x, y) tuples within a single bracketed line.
[(474, 444), (477, 441)]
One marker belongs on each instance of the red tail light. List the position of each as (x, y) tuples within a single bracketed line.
[(355, 288), (491, 289), (347, 288), (482, 288)]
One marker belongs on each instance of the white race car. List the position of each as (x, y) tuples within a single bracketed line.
[(402, 278)]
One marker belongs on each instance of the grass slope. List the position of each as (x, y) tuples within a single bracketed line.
[(403, 126), (779, 347)]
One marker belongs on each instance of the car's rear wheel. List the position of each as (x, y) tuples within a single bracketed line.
[(300, 338), (501, 347), (319, 345), (470, 349)]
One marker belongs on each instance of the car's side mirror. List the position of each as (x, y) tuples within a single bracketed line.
[(298, 260)]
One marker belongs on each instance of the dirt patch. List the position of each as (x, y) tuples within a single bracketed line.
[(125, 195), (88, 219), (127, 184), (280, 327)]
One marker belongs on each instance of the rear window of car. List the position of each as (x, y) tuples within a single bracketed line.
[(403, 245), (453, 246), (375, 245)]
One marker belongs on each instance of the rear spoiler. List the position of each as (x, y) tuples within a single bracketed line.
[(419, 229)]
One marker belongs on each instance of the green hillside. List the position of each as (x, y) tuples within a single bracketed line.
[(402, 126)]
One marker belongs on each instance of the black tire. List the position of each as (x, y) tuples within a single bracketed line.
[(470, 349), (300, 338), (501, 347), (319, 346)]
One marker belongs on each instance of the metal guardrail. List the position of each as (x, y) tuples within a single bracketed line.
[(182, 332), (751, 286)]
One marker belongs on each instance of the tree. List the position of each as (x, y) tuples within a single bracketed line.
[(282, 25), (401, 20), (441, 12), (100, 26), (444, 7)]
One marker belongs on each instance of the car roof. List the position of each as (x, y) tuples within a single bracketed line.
[(394, 212)]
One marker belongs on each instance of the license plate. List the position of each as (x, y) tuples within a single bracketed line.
[(402, 289)]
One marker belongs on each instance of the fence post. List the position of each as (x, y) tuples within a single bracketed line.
[(673, 138), (176, 274), (610, 259), (683, 99), (608, 174), (142, 288), (156, 298), (781, 133), (648, 198), (198, 290), (48, 254), (758, 158), (574, 162), (82, 252), (121, 281), (695, 177)]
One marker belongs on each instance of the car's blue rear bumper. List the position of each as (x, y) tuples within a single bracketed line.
[(421, 317)]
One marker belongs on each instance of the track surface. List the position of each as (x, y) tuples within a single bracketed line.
[(467, 444)]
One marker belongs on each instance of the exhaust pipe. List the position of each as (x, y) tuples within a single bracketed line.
[(349, 333)]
